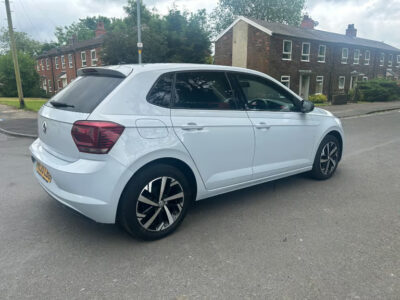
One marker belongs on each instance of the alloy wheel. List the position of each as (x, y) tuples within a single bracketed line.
[(160, 204), (329, 158)]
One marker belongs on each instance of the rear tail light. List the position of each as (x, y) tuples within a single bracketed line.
[(96, 136)]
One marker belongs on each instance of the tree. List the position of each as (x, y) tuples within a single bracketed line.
[(176, 37), (84, 29), (281, 11), (23, 42), (29, 76)]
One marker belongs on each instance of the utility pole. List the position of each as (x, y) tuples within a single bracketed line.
[(139, 32), (14, 56)]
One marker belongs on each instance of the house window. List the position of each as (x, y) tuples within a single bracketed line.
[(390, 60), (83, 58), (47, 64), (70, 61), (287, 50), (62, 62), (367, 57), (345, 55), (38, 66), (41, 62), (365, 78), (56, 62), (49, 84), (356, 57), (342, 81), (319, 85), (285, 80), (45, 84), (321, 53), (305, 52), (382, 59), (398, 60), (93, 57)]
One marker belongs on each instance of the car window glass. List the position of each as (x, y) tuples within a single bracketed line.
[(261, 94), (203, 90), (161, 92)]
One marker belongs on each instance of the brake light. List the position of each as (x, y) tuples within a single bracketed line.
[(96, 136)]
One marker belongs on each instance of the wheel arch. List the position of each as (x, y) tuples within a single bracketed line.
[(339, 137)]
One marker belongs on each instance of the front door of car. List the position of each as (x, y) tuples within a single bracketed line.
[(215, 130), (284, 136)]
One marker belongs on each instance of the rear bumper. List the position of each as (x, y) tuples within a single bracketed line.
[(90, 187)]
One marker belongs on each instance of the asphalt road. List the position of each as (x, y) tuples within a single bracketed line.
[(293, 238)]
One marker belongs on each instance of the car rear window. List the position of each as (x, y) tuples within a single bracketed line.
[(85, 93)]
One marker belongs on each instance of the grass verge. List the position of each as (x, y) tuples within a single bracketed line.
[(33, 104)]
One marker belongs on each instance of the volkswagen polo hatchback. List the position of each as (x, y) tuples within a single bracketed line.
[(137, 144)]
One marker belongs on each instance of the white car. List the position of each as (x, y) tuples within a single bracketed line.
[(137, 144)]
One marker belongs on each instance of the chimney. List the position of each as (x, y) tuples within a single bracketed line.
[(308, 23), (100, 29), (351, 31), (72, 40)]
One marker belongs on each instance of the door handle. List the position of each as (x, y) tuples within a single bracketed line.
[(262, 125), (192, 126)]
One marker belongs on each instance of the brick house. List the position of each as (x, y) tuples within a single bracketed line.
[(58, 66), (307, 60)]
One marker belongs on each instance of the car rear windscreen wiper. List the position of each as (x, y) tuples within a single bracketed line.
[(60, 104)]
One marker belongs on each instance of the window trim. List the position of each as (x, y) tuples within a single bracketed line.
[(316, 82), (62, 58), (239, 102), (38, 66), (56, 62), (344, 83), (42, 64), (93, 61), (322, 56), (390, 60), (398, 59), (47, 64), (286, 80), (345, 57), (302, 52), (382, 59), (49, 85), (289, 53), (82, 60), (367, 60), (356, 62), (70, 62)]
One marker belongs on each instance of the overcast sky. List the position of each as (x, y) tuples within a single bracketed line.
[(374, 19)]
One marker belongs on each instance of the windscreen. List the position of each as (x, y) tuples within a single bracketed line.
[(84, 93)]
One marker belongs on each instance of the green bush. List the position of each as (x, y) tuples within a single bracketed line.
[(378, 90), (318, 98)]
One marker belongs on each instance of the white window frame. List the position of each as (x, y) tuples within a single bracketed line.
[(305, 56), (367, 58), (47, 64), (70, 62), (38, 66), (49, 85), (319, 79), (285, 79), (341, 87), (382, 59), (322, 58), (56, 62), (390, 60), (42, 64), (287, 53), (345, 58), (45, 84), (83, 61), (94, 61), (398, 60), (356, 57), (62, 62)]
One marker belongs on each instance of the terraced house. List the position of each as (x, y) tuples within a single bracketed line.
[(58, 66), (307, 60)]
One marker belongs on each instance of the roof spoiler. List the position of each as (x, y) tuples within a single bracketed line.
[(119, 72)]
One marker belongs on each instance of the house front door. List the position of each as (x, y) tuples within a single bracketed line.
[(304, 86)]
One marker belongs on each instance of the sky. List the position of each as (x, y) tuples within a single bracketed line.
[(375, 19)]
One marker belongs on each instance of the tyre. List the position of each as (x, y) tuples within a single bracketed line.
[(327, 158), (155, 202)]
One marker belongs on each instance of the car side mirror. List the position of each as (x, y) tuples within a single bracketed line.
[(307, 106)]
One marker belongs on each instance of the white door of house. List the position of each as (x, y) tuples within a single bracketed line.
[(353, 82), (304, 86)]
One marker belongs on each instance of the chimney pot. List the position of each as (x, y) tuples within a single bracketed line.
[(308, 23), (351, 31), (100, 30)]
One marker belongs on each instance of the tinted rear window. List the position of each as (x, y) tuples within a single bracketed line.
[(85, 93)]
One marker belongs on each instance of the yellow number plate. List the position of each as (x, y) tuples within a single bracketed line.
[(42, 171)]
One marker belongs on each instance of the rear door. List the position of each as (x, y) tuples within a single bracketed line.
[(284, 136), (215, 130), (75, 102)]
